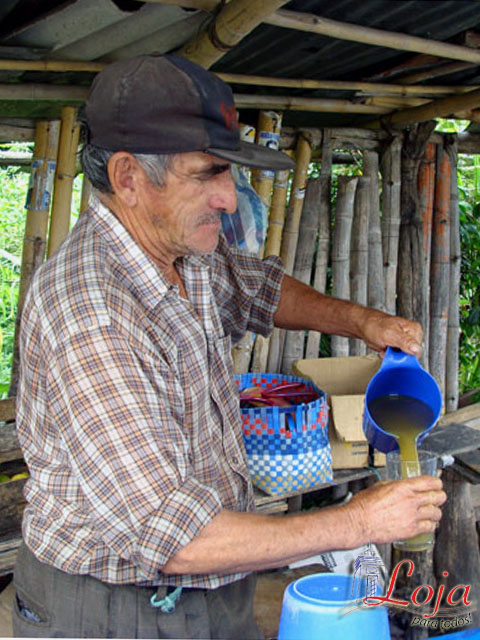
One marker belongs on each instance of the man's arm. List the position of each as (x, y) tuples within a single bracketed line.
[(388, 511), (302, 307)]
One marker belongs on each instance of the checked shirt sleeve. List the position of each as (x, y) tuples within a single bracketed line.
[(246, 289), (118, 415)]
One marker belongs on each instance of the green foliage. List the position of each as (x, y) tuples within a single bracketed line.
[(13, 187), (469, 205), (13, 190)]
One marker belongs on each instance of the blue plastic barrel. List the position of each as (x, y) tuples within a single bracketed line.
[(400, 374), (321, 606)]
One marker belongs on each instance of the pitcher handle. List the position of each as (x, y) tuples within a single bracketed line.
[(396, 357)]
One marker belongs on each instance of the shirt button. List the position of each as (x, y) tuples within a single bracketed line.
[(235, 460)]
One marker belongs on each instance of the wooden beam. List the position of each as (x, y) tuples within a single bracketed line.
[(246, 101), (366, 35), (51, 65), (234, 21), (373, 88), (435, 109), (43, 92)]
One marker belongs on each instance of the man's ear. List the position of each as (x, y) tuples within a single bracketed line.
[(123, 173)]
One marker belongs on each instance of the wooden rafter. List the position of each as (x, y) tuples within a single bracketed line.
[(356, 33)]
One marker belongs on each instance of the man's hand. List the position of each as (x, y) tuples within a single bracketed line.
[(379, 330), (397, 510)]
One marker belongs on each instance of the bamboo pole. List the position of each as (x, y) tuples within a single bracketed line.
[(64, 175), (43, 91), (276, 219), (290, 236), (376, 288), (411, 273), (440, 270), (268, 133), (86, 194), (342, 236), (323, 245), (375, 88), (426, 191), (366, 35), (440, 70), (51, 65), (294, 340), (391, 177), (359, 254), (242, 350), (36, 223), (453, 331), (234, 21), (435, 109), (290, 103)]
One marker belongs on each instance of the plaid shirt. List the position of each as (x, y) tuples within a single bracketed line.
[(128, 415)]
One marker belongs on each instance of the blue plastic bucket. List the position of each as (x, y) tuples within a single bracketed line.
[(321, 606), (400, 374)]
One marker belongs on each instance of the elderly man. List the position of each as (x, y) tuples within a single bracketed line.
[(140, 519)]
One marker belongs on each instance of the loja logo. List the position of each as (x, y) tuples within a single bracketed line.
[(230, 115), (457, 600)]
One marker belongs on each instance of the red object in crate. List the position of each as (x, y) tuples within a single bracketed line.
[(281, 395)]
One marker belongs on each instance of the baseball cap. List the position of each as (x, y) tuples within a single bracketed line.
[(167, 104)]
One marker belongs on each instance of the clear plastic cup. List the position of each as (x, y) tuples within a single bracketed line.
[(396, 469)]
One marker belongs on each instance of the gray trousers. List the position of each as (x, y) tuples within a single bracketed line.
[(50, 603)]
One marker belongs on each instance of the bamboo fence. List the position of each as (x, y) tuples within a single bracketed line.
[(389, 238)]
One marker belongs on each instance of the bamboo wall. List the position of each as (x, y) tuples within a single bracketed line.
[(385, 234)]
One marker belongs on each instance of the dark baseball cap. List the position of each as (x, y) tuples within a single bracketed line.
[(166, 104)]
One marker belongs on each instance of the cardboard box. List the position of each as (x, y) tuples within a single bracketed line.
[(344, 380)]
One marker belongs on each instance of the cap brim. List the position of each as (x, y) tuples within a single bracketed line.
[(253, 155)]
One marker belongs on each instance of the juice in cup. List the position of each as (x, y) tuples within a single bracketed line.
[(405, 418)]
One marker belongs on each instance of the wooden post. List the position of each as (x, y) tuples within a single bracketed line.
[(453, 331), (36, 224), (268, 134), (323, 246), (359, 254), (376, 289), (426, 190), (64, 175), (294, 340), (342, 235), (422, 573), (391, 172), (290, 236), (411, 259), (440, 270), (86, 193), (456, 547)]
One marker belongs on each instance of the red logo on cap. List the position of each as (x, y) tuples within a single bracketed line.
[(230, 115)]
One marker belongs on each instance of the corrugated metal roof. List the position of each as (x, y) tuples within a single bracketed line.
[(112, 29)]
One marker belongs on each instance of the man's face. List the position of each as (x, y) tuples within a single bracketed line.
[(183, 218)]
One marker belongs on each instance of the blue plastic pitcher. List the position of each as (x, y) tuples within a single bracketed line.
[(400, 374), (321, 606)]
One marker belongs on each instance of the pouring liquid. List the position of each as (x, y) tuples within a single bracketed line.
[(405, 418)]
